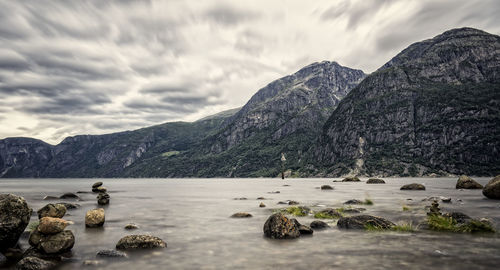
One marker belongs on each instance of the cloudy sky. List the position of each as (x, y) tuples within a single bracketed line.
[(93, 67)]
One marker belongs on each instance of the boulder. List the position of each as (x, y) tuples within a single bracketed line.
[(14, 217), (492, 189), (94, 218), (466, 182), (69, 195), (131, 226), (318, 225), (97, 184), (52, 244), (353, 201), (140, 242), (375, 181), (34, 263), (326, 187), (413, 186), (360, 222), (111, 253), (278, 226), (52, 210), (351, 179), (50, 225), (103, 198), (241, 215)]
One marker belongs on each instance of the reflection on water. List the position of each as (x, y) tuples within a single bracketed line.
[(192, 216)]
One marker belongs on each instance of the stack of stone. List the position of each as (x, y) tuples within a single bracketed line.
[(50, 236), (102, 197), (434, 210)]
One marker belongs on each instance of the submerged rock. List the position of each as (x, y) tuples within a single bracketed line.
[(328, 213), (140, 242), (52, 210), (111, 253), (351, 179), (492, 189), (466, 182), (278, 226), (362, 221), (50, 225), (14, 217), (326, 187), (69, 195), (318, 225), (34, 263), (241, 215), (94, 218), (131, 226), (413, 186), (103, 198), (353, 210), (375, 181), (353, 201)]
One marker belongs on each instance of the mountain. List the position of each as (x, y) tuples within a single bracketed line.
[(433, 108), (107, 155), (283, 117)]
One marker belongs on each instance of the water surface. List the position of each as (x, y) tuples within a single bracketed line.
[(192, 216)]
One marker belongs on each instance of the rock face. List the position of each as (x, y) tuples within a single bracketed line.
[(94, 218), (140, 242), (34, 263), (413, 186), (466, 182), (360, 222), (52, 210), (492, 189), (49, 225), (375, 181), (278, 226), (417, 113), (14, 217)]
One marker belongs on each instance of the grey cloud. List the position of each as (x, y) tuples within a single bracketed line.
[(65, 105), (363, 10), (11, 60), (250, 43), (336, 11), (227, 15)]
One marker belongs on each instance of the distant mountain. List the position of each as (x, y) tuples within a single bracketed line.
[(434, 108), (285, 116)]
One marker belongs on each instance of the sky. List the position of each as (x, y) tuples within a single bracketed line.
[(95, 67)]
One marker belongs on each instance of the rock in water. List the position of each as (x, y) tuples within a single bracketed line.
[(100, 189), (34, 263), (278, 226), (459, 217), (492, 189), (14, 217), (360, 222), (70, 206), (262, 205), (413, 186), (111, 253), (241, 215), (326, 187), (69, 195), (96, 185), (52, 210), (131, 226), (103, 198), (375, 181), (94, 218), (466, 182), (351, 179), (303, 229), (140, 242), (353, 201), (318, 225), (57, 243), (49, 225)]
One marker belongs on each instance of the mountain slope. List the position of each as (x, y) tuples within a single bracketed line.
[(434, 108), (283, 117), (101, 155)]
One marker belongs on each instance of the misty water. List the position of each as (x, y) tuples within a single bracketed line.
[(193, 217)]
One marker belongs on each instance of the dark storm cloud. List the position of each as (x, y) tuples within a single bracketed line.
[(10, 60), (67, 105)]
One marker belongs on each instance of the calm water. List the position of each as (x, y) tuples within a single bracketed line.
[(192, 216)]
